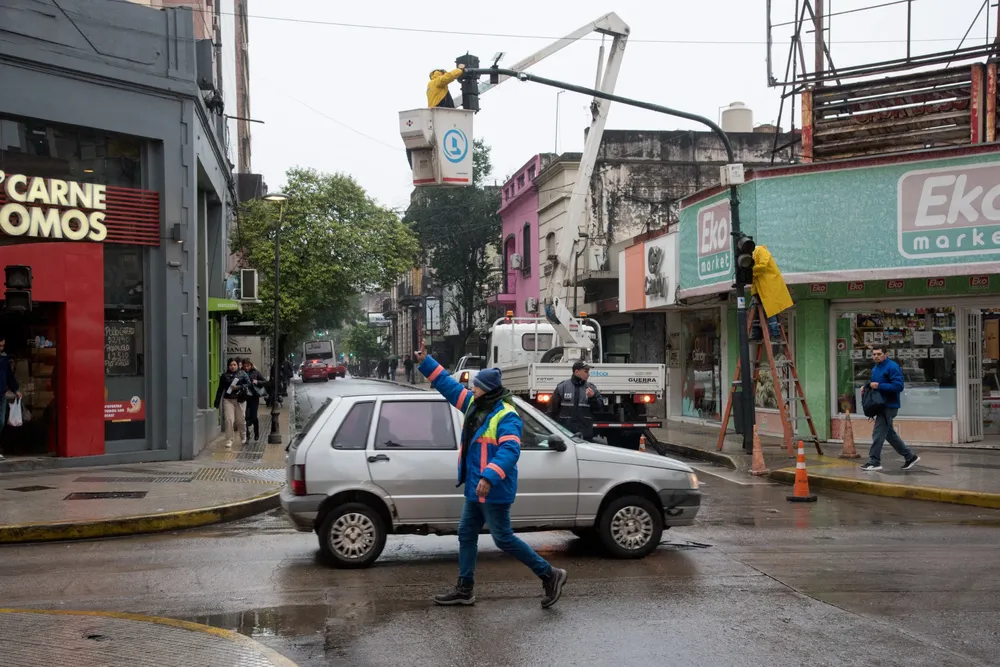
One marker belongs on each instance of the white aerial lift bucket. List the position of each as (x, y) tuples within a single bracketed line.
[(440, 145)]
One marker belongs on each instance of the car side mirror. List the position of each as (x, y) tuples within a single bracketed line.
[(557, 443)]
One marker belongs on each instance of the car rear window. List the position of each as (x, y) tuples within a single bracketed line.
[(294, 442), (353, 432)]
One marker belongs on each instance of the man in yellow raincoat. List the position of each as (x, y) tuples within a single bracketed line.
[(769, 289), (438, 94)]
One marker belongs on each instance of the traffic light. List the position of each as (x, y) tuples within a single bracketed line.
[(744, 259), (17, 280), (470, 82)]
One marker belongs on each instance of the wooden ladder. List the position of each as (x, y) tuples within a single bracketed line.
[(782, 401)]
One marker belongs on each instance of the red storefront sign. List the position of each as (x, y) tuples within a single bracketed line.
[(817, 288), (895, 285), (979, 282), (856, 287), (125, 411), (936, 284)]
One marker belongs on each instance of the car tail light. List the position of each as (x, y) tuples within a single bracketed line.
[(464, 377), (299, 480), (544, 398), (644, 398)]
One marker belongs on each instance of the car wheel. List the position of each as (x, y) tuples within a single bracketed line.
[(630, 527), (352, 536)]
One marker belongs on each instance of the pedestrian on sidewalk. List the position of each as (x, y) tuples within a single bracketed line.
[(7, 383), (489, 473), (234, 388), (259, 390), (887, 379), (393, 367), (408, 367)]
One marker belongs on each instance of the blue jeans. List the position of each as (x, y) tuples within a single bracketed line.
[(773, 328), (884, 431), (497, 517)]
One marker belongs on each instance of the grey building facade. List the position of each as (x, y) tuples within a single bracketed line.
[(117, 94)]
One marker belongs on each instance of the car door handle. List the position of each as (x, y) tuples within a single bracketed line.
[(378, 457)]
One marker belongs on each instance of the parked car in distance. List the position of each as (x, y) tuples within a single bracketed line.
[(315, 370), (336, 371), (365, 466)]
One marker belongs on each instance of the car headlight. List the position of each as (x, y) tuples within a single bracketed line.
[(693, 480)]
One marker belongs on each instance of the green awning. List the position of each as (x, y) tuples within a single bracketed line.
[(216, 305)]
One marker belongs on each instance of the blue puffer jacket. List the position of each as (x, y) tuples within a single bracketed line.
[(496, 446), (890, 381)]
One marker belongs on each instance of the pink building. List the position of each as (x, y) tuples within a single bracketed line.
[(519, 249)]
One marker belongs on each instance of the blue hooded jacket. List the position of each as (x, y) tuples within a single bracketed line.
[(890, 381)]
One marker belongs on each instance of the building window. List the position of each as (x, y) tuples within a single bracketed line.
[(508, 273), (550, 245), (124, 336), (520, 181), (531, 173), (920, 340), (526, 250)]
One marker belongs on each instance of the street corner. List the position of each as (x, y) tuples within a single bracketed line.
[(53, 638)]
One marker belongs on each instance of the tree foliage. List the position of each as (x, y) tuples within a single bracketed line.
[(457, 228), (362, 341), (336, 242)]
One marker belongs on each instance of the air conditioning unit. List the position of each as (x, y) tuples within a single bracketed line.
[(515, 261), (248, 285), (531, 305)]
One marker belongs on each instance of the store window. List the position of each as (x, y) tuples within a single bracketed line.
[(766, 397), (38, 148), (920, 340), (124, 342), (702, 349)]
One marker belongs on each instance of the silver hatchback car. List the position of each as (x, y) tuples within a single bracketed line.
[(366, 466)]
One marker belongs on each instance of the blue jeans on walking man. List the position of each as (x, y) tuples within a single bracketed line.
[(884, 431), (497, 517)]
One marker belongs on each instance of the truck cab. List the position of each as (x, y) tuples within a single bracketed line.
[(517, 341)]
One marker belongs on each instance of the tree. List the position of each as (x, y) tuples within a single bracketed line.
[(336, 242), (457, 228), (362, 341)]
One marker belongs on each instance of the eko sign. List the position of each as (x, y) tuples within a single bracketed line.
[(52, 208), (950, 212), (715, 256)]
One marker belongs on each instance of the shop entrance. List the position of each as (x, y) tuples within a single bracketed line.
[(32, 346), (984, 377)]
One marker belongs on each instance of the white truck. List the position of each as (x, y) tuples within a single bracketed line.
[(534, 357)]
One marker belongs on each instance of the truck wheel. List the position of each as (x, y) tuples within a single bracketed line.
[(630, 527), (352, 536), (553, 356)]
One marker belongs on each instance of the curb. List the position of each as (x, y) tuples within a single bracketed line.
[(892, 490), (275, 658), (139, 524), (697, 454)]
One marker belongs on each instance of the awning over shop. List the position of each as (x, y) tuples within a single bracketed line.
[(216, 305)]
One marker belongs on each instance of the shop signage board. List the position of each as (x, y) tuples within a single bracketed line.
[(862, 220), (120, 345), (648, 274), (133, 410)]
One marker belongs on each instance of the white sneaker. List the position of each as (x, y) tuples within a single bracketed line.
[(229, 444)]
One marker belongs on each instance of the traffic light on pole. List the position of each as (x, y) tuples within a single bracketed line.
[(470, 82), (17, 281), (744, 259)]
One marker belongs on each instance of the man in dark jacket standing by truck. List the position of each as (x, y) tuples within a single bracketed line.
[(575, 400), (887, 379)]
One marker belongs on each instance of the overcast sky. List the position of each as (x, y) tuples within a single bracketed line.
[(329, 95)]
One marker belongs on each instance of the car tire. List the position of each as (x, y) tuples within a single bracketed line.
[(630, 527), (343, 527)]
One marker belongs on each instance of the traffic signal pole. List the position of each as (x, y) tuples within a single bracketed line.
[(473, 74)]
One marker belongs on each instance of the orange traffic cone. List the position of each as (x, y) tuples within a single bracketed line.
[(800, 494), (757, 467), (642, 443), (849, 451)]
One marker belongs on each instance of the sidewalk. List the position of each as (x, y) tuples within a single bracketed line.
[(944, 474), (80, 503), (58, 638)]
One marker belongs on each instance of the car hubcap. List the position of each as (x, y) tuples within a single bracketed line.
[(352, 535), (632, 527)]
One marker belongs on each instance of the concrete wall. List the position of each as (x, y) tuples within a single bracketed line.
[(130, 69)]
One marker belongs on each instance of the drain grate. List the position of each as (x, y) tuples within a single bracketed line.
[(266, 474), (35, 487), (173, 479), (150, 471), (105, 495)]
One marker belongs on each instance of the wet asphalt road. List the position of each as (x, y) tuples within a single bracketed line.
[(850, 580)]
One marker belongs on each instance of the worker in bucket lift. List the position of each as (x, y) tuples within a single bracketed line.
[(438, 94), (768, 289)]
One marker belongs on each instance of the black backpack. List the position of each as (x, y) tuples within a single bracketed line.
[(872, 402)]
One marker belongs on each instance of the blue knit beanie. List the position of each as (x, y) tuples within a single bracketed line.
[(488, 380)]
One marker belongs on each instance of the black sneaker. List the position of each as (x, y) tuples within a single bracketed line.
[(461, 594), (553, 585), (871, 467), (912, 462)]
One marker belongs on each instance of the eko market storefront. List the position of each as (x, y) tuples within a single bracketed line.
[(79, 354), (902, 252)]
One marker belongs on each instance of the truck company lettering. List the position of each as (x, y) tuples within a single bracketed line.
[(642, 380), (52, 208), (950, 212), (714, 241)]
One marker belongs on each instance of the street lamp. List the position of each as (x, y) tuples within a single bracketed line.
[(274, 437)]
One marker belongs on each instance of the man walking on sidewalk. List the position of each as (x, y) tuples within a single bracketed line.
[(7, 383), (887, 379), (489, 472)]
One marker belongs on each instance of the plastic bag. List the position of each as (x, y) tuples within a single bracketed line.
[(14, 417)]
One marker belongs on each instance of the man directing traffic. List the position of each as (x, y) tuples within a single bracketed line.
[(575, 401)]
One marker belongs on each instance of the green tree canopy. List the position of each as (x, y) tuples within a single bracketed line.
[(457, 227), (336, 242), (362, 341)]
